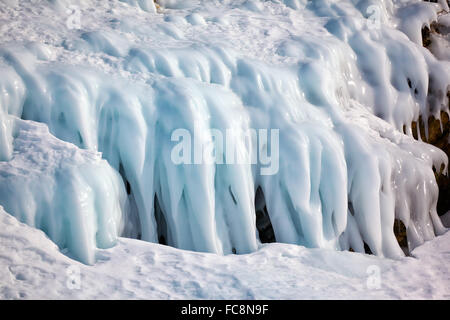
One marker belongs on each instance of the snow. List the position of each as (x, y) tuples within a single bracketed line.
[(119, 78), (32, 267)]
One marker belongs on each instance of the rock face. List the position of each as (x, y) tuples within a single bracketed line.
[(437, 134), (263, 223), (401, 235)]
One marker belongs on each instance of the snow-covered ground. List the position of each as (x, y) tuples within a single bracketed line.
[(32, 267), (93, 93)]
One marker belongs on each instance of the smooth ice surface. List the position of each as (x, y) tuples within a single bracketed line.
[(32, 267), (119, 78)]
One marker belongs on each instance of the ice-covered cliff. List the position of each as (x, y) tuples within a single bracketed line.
[(335, 84)]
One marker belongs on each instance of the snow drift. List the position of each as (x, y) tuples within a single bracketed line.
[(32, 267), (339, 90)]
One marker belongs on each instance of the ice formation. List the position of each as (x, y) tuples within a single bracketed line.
[(340, 87), (71, 194)]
